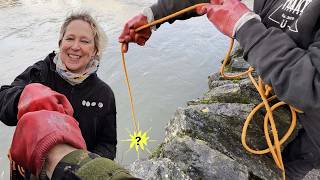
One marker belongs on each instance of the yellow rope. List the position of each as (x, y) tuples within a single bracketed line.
[(226, 58), (170, 16), (123, 57), (264, 91), (129, 90)]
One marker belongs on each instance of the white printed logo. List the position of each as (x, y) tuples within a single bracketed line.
[(287, 14)]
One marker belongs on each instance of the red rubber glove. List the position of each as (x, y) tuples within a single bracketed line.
[(37, 132), (201, 10), (35, 97), (225, 15), (128, 34)]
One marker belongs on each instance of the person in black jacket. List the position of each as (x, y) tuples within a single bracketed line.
[(281, 40), (72, 72)]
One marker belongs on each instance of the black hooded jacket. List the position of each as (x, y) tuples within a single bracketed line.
[(92, 100)]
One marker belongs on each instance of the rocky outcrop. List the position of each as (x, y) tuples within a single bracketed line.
[(203, 140)]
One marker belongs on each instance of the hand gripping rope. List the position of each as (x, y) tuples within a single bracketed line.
[(264, 91)]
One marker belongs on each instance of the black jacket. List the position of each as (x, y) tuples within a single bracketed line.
[(284, 49), (92, 100)]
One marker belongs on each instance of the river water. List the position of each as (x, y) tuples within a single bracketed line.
[(169, 70)]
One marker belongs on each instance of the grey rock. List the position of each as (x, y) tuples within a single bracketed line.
[(313, 175), (227, 91), (157, 169), (197, 159), (242, 91), (203, 140), (216, 79), (220, 125), (239, 64)]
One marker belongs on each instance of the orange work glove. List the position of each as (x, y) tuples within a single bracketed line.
[(228, 15), (37, 132), (36, 96), (129, 35)]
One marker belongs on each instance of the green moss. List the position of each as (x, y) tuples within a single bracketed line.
[(237, 53), (244, 100), (157, 152), (191, 134), (235, 80), (202, 101), (223, 99), (228, 69)]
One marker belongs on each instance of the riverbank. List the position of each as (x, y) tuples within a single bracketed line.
[(202, 140)]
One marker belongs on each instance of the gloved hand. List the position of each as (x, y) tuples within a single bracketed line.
[(36, 96), (37, 132), (225, 15), (201, 10), (129, 35)]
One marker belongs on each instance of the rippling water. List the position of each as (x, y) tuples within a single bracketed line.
[(171, 69)]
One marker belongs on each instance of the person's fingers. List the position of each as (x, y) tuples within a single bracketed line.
[(140, 41), (127, 39), (129, 35), (120, 40), (68, 109), (144, 34), (125, 47), (201, 10), (211, 10), (217, 2), (124, 33), (213, 17), (132, 35), (142, 37), (128, 30)]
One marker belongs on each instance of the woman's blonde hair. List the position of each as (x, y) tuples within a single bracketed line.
[(100, 38)]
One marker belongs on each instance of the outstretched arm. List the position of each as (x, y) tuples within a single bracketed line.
[(158, 10), (10, 94), (166, 7)]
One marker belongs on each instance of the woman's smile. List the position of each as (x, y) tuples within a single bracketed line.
[(77, 46)]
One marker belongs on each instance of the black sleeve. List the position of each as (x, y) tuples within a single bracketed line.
[(107, 137), (10, 94), (293, 72), (166, 7), (262, 7), (258, 6)]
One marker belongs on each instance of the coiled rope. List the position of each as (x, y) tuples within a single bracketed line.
[(13, 167), (264, 92)]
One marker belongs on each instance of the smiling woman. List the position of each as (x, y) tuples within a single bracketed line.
[(63, 81), (81, 43), (77, 46)]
